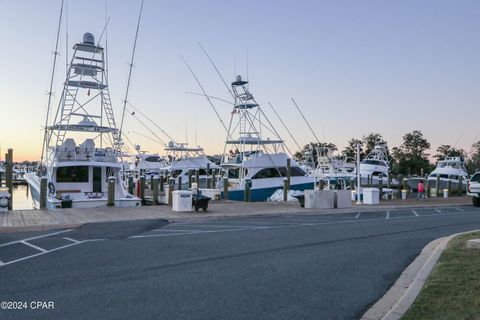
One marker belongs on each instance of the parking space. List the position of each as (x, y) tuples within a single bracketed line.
[(40, 244), (19, 247), (259, 223)]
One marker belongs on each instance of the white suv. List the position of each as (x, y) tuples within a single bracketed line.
[(474, 189)]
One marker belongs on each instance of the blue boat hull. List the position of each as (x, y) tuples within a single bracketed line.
[(257, 195)]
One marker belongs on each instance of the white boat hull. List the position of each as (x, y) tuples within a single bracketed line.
[(86, 203)]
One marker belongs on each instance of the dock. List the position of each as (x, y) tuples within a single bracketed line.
[(39, 220)]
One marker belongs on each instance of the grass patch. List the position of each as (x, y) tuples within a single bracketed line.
[(452, 291)]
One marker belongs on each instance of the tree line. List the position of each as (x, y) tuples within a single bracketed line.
[(410, 158)]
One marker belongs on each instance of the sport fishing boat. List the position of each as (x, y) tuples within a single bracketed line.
[(334, 170), (451, 169), (144, 163), (184, 159), (376, 165), (251, 158), (77, 173)]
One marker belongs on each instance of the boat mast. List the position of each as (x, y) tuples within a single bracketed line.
[(129, 76), (55, 54)]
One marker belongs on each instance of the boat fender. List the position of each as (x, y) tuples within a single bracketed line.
[(51, 188)]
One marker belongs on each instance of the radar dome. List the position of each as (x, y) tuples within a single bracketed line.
[(137, 147), (88, 38)]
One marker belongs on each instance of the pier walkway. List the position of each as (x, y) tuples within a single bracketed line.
[(39, 220)]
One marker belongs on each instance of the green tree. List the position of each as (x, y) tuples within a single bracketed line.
[(367, 143), (351, 149), (411, 157), (473, 162), (446, 150), (370, 140)]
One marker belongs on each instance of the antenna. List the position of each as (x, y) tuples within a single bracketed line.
[(248, 78), (216, 69), (286, 128), (186, 132), (55, 53), (308, 124), (66, 38), (130, 72), (205, 93)]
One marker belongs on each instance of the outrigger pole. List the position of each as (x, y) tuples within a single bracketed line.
[(216, 69), (129, 76), (205, 94), (151, 121), (285, 126), (308, 124), (55, 54)]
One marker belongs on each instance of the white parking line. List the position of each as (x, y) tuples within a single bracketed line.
[(178, 230), (438, 210), (40, 253), (70, 239), (288, 226), (33, 238), (33, 246), (1, 263), (217, 226), (459, 210), (415, 213), (388, 215), (209, 231), (358, 215)]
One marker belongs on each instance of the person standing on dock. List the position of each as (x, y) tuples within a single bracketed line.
[(421, 191)]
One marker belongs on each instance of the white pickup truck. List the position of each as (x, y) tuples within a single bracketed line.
[(474, 189)]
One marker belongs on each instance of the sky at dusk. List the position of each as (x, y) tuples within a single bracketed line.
[(354, 67)]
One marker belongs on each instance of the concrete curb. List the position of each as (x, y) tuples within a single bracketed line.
[(398, 299), (40, 227)]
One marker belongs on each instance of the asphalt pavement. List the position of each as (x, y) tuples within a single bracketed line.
[(290, 266)]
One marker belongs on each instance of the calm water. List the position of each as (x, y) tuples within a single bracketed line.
[(21, 198)]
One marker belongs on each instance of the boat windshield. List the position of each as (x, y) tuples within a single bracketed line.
[(374, 162), (278, 172), (72, 174), (454, 165), (153, 159)]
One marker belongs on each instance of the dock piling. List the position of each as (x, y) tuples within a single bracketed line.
[(289, 171), (197, 177), (142, 188), (248, 186), (171, 185), (155, 181), (214, 179), (9, 175), (111, 191), (225, 188), (130, 184), (285, 189), (460, 185), (43, 192)]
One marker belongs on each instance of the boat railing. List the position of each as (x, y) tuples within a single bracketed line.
[(86, 154)]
